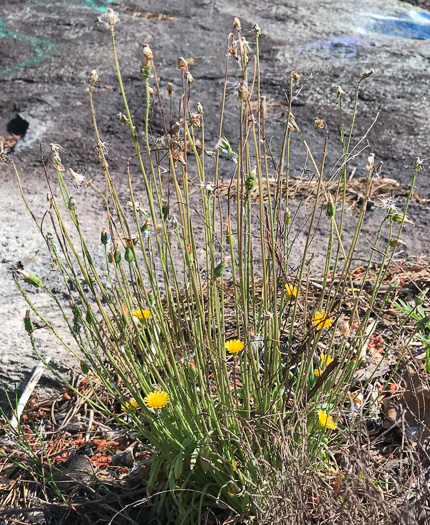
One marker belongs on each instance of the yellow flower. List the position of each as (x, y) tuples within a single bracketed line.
[(325, 420), (318, 372), (234, 346), (141, 314), (326, 359), (130, 404), (157, 399), (322, 320), (290, 291)]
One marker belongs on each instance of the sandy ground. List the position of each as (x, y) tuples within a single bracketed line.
[(47, 50)]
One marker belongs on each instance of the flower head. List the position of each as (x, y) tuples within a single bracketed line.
[(141, 314), (290, 291), (130, 405), (157, 399), (326, 359), (234, 346), (325, 420), (322, 320)]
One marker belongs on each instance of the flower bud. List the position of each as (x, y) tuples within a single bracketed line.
[(400, 218), (170, 89), (165, 209), (104, 237), (190, 255), (396, 242), (94, 78), (129, 254), (250, 180), (84, 368), (117, 254), (331, 207), (28, 323), (257, 30), (32, 279), (89, 317)]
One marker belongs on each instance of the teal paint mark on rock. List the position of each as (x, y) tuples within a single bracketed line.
[(41, 48), (98, 5)]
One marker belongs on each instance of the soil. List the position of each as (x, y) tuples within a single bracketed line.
[(48, 50)]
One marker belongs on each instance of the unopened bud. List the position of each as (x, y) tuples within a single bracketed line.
[(331, 208), (28, 323), (400, 218), (117, 255), (104, 237), (129, 254), (396, 242), (165, 209), (84, 368), (32, 279)]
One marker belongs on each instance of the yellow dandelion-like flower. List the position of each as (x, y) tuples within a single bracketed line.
[(322, 320), (326, 359), (234, 346), (141, 314), (318, 372), (157, 399), (325, 420), (129, 405), (290, 291)]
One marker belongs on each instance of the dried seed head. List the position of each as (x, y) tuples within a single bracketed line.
[(233, 51), (199, 108), (319, 123), (147, 52), (190, 78), (174, 129), (123, 118), (295, 77), (345, 328), (113, 17), (257, 30), (340, 92), (151, 91), (195, 119), (263, 107), (236, 24), (243, 89), (367, 74), (370, 162), (182, 64), (77, 178), (94, 78), (170, 89)]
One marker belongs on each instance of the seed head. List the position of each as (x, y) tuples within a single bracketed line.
[(113, 17), (295, 77), (319, 123), (182, 64), (199, 108), (147, 53), (257, 30), (170, 89), (340, 92), (370, 162), (367, 74), (236, 24), (77, 178), (94, 78), (190, 78), (263, 107)]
